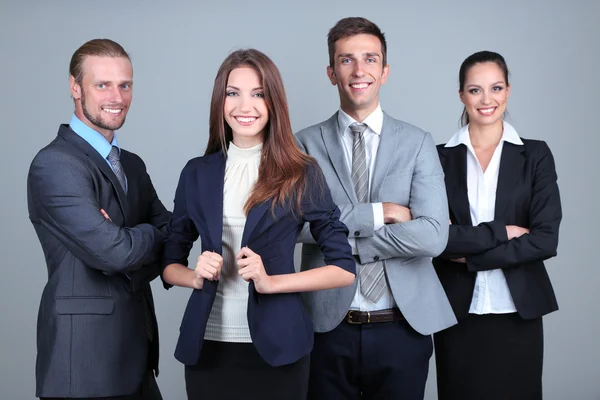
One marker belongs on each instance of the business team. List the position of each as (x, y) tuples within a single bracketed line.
[(400, 241)]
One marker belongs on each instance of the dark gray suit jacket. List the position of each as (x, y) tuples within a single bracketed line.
[(92, 334)]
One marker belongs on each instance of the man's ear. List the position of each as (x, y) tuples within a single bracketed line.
[(331, 75), (75, 88)]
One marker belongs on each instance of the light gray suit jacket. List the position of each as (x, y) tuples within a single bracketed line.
[(407, 172)]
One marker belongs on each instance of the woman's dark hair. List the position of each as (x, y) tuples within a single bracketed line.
[(478, 58)]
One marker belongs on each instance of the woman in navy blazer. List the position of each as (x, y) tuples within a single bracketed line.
[(505, 214), (266, 355)]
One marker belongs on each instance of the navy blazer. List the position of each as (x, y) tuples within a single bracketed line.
[(279, 326), (527, 195)]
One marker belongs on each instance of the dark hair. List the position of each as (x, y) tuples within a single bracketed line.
[(95, 47), (282, 170), (352, 26), (478, 58)]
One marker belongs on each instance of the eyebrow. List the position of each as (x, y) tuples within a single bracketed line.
[(236, 88), (350, 55), (497, 83)]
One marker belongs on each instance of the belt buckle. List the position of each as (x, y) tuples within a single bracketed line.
[(349, 318)]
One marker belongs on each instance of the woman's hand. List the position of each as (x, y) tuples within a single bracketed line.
[(251, 268), (209, 267)]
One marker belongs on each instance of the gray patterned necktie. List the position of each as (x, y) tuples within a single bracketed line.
[(115, 161), (371, 275)]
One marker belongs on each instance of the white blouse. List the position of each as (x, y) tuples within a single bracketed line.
[(228, 320)]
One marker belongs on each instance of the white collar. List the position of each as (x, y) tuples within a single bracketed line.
[(509, 134), (374, 121)]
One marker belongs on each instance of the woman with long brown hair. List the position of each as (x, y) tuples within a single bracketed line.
[(245, 333)]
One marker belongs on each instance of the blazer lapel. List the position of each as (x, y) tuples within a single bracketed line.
[(332, 139), (254, 216), (210, 185), (386, 152), (511, 166), (66, 133), (454, 161)]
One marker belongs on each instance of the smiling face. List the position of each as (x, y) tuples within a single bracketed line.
[(103, 96), (485, 94), (358, 72), (245, 108)]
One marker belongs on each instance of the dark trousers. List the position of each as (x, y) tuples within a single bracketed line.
[(492, 357), (147, 391), (232, 371), (377, 361)]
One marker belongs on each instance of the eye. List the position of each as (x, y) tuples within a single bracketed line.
[(126, 86), (474, 91), (101, 86), (231, 94), (498, 88), (371, 60), (346, 61), (259, 94)]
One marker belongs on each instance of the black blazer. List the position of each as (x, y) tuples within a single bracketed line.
[(526, 195), (280, 328), (91, 330)]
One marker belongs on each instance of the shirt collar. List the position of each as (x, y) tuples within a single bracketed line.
[(509, 134), (93, 137), (374, 121)]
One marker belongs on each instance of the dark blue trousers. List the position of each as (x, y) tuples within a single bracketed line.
[(380, 361)]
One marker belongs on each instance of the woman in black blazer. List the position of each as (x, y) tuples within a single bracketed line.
[(505, 214), (245, 333)]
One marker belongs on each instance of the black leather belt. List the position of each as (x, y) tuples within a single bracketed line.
[(372, 317)]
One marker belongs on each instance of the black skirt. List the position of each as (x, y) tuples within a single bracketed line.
[(491, 356), (236, 371)]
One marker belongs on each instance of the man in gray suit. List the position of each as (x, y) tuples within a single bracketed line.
[(373, 339), (101, 226)]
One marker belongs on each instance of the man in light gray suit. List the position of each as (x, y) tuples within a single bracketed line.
[(374, 338), (101, 226)]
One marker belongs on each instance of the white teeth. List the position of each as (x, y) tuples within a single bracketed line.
[(246, 119), (487, 110), (112, 110), (359, 85)]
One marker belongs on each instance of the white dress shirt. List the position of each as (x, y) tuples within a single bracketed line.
[(491, 294), (372, 135)]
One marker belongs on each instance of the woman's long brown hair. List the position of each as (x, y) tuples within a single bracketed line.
[(282, 171)]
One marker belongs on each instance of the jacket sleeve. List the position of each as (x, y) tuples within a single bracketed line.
[(323, 218), (182, 232), (357, 217), (66, 200), (545, 215), (427, 234), (465, 240)]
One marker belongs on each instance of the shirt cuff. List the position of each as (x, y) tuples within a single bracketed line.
[(378, 220)]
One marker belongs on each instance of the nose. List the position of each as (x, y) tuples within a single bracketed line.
[(245, 104), (115, 95), (358, 69), (486, 97)]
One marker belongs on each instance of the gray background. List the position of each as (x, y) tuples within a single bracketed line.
[(551, 49)]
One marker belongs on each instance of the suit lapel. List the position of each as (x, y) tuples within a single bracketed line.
[(511, 166), (133, 181), (66, 133), (254, 216), (454, 161), (332, 139), (210, 194), (386, 152)]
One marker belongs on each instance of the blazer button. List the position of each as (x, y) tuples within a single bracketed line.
[(357, 233), (376, 258)]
